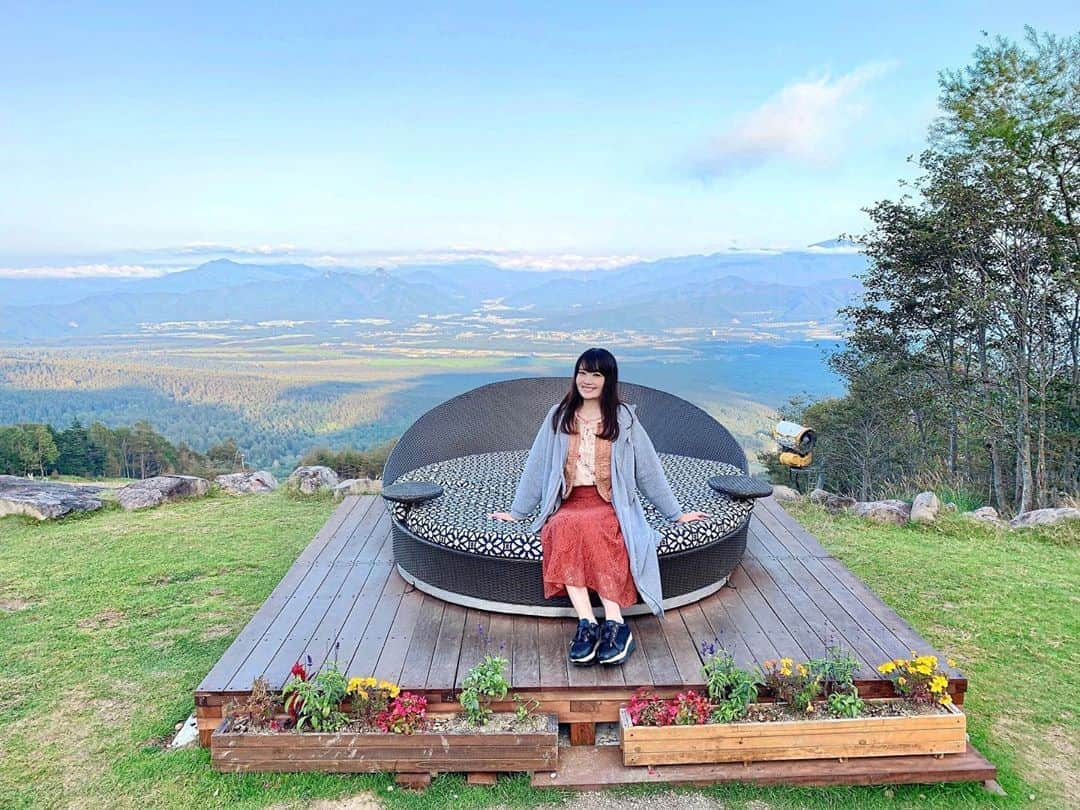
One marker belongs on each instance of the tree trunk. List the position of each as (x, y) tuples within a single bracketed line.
[(996, 482)]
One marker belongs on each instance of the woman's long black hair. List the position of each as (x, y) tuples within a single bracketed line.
[(592, 360)]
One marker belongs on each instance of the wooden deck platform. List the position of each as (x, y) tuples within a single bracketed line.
[(788, 597)]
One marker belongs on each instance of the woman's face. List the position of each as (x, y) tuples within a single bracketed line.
[(590, 384)]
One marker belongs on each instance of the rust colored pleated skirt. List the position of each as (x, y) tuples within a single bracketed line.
[(583, 545)]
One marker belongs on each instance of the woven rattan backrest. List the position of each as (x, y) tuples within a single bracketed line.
[(505, 416)]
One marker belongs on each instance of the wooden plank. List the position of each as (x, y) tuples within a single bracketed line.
[(806, 607), (553, 651), (392, 657), (889, 617), (601, 767), (796, 529), (722, 629), (377, 627), (353, 508), (444, 663), (684, 651), (501, 641), (889, 643), (654, 646), (795, 546), (473, 643), (756, 638), (414, 671), (583, 734), (767, 544), (764, 613), (754, 545), (300, 638), (226, 667), (526, 662), (853, 635), (292, 634), (796, 625)]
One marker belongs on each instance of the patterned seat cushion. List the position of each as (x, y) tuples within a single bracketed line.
[(479, 484)]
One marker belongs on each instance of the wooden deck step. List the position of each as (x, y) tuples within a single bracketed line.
[(592, 768)]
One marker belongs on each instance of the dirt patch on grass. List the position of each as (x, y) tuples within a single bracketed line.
[(1052, 762), (215, 631), (11, 605), (361, 801), (106, 619)]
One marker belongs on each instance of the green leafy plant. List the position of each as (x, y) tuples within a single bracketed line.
[(316, 702), (836, 670), (730, 689), (845, 704), (485, 682), (524, 708), (793, 683)]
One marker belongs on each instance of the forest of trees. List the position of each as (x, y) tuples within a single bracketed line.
[(963, 358), (99, 451), (140, 452)]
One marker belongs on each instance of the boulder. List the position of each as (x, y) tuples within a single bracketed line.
[(783, 493), (925, 508), (1045, 517), (247, 483), (45, 500), (984, 514), (357, 486), (309, 480), (159, 489), (889, 511), (833, 503)]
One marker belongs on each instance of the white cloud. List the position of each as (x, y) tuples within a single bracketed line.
[(805, 123), (213, 248), (518, 260), (82, 271)]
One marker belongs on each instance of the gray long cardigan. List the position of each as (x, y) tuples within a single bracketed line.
[(633, 463)]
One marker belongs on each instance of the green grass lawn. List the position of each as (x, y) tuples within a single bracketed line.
[(110, 620)]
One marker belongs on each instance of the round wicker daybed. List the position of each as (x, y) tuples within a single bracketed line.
[(474, 446)]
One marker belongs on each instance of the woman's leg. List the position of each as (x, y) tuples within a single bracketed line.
[(579, 597), (612, 610)]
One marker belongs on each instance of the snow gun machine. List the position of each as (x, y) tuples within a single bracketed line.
[(796, 444)]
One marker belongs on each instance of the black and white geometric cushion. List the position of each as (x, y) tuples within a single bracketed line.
[(476, 485)]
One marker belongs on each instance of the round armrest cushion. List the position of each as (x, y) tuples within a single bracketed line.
[(741, 486), (412, 492)]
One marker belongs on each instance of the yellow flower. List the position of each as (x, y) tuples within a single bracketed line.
[(946, 699), (809, 708), (887, 667), (786, 662), (355, 685), (950, 662), (901, 680)]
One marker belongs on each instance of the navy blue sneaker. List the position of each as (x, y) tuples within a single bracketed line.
[(586, 640), (616, 642)]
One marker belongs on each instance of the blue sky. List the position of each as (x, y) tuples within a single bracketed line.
[(555, 134)]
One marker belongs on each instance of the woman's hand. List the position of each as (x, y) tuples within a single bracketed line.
[(502, 516), (686, 517)]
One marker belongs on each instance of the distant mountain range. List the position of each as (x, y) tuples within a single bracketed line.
[(700, 291)]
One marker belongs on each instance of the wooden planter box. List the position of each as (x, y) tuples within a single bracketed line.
[(793, 739), (469, 752)]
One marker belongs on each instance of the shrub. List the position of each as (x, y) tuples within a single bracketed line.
[(731, 689), (918, 679), (315, 701), (405, 714), (793, 683)]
